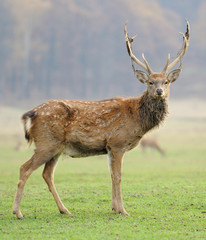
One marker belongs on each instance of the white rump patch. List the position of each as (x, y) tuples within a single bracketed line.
[(28, 124)]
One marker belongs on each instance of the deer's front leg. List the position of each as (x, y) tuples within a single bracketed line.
[(115, 163)]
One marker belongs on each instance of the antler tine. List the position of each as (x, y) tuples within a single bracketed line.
[(167, 63), (149, 70), (186, 38), (129, 50)]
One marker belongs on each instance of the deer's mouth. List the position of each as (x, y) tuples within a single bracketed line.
[(159, 96)]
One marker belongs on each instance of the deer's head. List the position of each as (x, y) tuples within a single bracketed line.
[(158, 83)]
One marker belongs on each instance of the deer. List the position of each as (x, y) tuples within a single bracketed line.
[(87, 128), (151, 143)]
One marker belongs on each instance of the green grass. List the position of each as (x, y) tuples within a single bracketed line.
[(165, 197)]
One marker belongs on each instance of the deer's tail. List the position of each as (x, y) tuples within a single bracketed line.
[(27, 119)]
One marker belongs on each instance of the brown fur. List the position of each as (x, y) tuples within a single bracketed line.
[(81, 128), (97, 129)]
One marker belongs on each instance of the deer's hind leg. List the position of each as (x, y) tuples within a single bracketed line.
[(39, 158), (48, 175)]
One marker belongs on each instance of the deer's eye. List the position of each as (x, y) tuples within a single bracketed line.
[(166, 82), (151, 83)]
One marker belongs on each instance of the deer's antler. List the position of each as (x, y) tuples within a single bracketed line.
[(186, 38), (133, 58)]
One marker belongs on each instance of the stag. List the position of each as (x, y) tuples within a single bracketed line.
[(84, 128)]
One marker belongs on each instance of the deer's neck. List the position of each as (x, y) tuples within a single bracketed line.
[(152, 112)]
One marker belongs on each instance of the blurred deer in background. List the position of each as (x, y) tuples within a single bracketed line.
[(151, 143), (85, 128)]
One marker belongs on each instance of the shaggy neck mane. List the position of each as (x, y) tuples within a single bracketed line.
[(152, 112)]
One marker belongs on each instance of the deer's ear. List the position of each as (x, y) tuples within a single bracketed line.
[(141, 76), (172, 76)]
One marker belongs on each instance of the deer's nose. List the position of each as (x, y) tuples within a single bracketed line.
[(159, 91)]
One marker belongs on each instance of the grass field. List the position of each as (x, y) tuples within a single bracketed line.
[(165, 196)]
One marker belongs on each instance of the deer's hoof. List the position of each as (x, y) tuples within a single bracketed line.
[(65, 211), (19, 215), (121, 211)]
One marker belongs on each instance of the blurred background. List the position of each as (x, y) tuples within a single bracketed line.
[(75, 49)]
